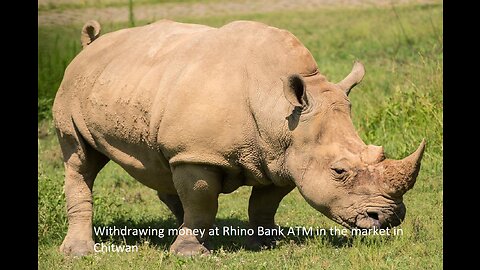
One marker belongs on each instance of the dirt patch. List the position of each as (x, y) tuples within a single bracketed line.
[(177, 10)]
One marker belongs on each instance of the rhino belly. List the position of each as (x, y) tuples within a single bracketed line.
[(143, 163)]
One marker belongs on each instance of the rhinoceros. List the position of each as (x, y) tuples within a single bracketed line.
[(194, 111)]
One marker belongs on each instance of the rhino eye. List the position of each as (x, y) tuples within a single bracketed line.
[(339, 173), (340, 169)]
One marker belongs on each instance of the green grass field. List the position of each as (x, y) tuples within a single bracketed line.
[(399, 102)]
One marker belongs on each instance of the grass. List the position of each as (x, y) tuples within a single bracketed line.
[(399, 102)]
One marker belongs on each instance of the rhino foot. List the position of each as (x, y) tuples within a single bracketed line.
[(256, 242), (188, 246), (77, 247)]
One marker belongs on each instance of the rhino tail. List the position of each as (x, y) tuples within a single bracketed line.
[(90, 32)]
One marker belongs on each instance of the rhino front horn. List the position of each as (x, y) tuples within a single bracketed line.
[(400, 175)]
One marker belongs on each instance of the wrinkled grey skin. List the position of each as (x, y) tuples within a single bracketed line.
[(193, 111)]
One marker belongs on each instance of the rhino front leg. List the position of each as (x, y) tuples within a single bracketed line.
[(198, 187), (263, 205), (82, 163)]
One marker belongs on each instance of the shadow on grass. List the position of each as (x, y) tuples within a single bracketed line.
[(129, 232), (160, 234)]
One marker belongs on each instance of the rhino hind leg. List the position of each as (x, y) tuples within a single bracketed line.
[(174, 204), (82, 164), (262, 206), (198, 187)]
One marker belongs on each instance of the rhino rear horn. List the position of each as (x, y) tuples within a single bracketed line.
[(373, 154), (352, 79)]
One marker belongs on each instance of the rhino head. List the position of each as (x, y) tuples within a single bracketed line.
[(352, 183)]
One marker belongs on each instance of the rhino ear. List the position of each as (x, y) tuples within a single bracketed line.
[(294, 90)]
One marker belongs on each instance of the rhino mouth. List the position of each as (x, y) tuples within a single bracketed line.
[(381, 219), (369, 220), (373, 218)]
